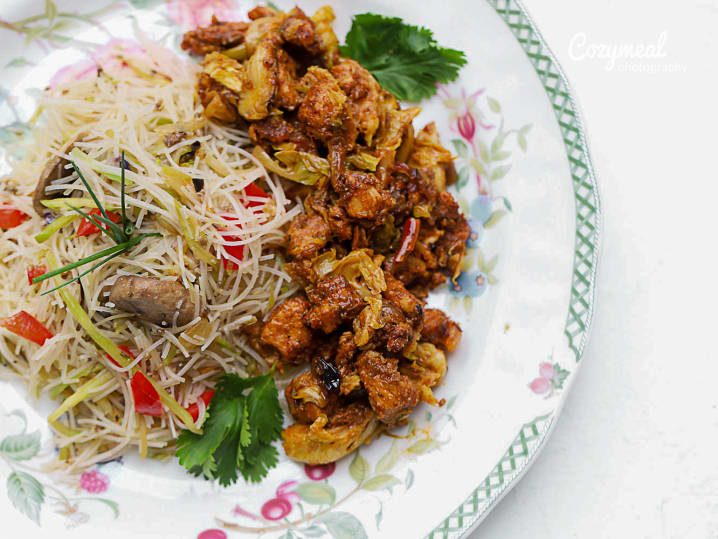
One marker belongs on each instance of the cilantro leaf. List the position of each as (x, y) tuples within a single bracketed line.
[(195, 449), (404, 59), (264, 409), (238, 432)]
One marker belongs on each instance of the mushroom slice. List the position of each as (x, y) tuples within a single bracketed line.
[(54, 170), (152, 299)]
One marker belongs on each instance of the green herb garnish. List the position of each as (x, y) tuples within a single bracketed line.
[(121, 234), (404, 59), (238, 432)]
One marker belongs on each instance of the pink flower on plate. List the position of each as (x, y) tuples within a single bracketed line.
[(107, 57), (285, 490), (320, 471), (212, 534), (466, 125), (547, 371), (94, 481), (193, 13), (276, 508), (540, 385)]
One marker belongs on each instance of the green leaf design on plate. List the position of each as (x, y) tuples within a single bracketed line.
[(109, 503), (317, 493), (380, 515), (491, 264), (359, 468), (461, 148), (50, 10), (494, 105), (462, 178), (379, 482), (500, 156), (19, 62), (560, 376), (477, 166), (494, 218), (145, 4), (500, 172), (313, 531), (387, 462), (26, 494), (20, 446), (450, 403), (522, 141), (508, 204), (497, 143), (409, 479), (468, 305), (343, 525), (424, 446), (492, 280), (483, 151)]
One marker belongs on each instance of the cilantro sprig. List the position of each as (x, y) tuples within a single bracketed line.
[(404, 59), (244, 419)]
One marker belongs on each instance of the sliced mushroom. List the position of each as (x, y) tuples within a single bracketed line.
[(54, 170), (152, 299)]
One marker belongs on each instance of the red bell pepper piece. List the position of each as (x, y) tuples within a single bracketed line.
[(193, 408), (11, 217), (237, 251), (87, 227), (35, 271), (125, 350), (27, 326), (408, 239), (253, 191), (147, 400)]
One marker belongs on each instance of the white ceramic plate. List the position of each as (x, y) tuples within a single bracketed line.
[(524, 300)]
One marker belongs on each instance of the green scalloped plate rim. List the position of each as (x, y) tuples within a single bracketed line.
[(531, 438)]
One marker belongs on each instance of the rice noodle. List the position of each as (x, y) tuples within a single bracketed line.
[(123, 111)]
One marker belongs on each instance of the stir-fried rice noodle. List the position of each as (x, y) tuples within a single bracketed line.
[(133, 110)]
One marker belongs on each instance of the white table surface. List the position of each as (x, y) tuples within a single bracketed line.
[(635, 451)]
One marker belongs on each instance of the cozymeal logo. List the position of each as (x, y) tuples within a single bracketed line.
[(640, 57)]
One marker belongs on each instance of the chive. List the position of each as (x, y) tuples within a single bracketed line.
[(94, 221), (92, 194), (110, 252)]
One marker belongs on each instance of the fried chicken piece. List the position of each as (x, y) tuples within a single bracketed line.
[(409, 304), (365, 96), (391, 394), (327, 441), (219, 35), (308, 398), (286, 331), (440, 330), (345, 364), (298, 30), (450, 247), (361, 197), (287, 95), (335, 301), (307, 236), (323, 105)]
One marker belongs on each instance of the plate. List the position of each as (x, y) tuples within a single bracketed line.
[(524, 299)]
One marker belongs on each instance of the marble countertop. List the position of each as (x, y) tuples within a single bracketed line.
[(634, 452)]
